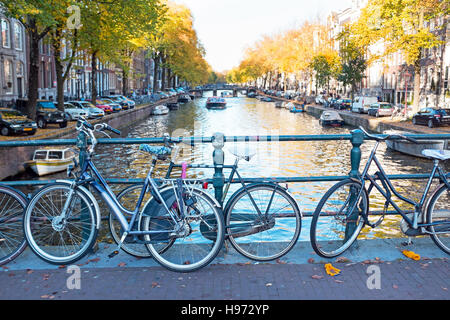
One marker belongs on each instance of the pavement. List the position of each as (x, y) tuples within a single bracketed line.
[(370, 270)]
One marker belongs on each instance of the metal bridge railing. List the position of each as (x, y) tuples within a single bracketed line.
[(356, 138)]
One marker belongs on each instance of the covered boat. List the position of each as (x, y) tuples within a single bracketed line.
[(297, 108), (47, 161), (411, 148), (331, 118), (173, 105), (184, 98), (216, 103), (159, 110)]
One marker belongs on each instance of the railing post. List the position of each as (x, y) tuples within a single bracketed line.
[(218, 160), (82, 145), (355, 159)]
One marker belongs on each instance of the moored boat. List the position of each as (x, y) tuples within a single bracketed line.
[(331, 118), (216, 103), (184, 98), (297, 108), (411, 148), (160, 110), (173, 105), (47, 161)]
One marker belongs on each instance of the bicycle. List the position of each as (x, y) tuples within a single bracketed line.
[(62, 219), (344, 209), (12, 240), (262, 220)]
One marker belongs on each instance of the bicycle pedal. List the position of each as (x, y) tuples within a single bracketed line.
[(113, 254)]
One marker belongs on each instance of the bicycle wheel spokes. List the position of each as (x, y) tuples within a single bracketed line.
[(338, 219), (12, 240), (192, 243), (439, 216), (55, 238), (267, 234)]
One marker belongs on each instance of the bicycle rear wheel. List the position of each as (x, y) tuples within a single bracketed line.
[(335, 224), (267, 235), (12, 239), (128, 198), (52, 238), (438, 214), (194, 241)]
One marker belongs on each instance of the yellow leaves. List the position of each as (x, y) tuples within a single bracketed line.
[(411, 255), (331, 271)]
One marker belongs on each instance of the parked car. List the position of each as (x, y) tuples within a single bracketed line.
[(74, 112), (114, 106), (115, 99), (104, 106), (362, 104), (432, 117), (92, 111), (14, 122), (343, 104), (46, 113), (380, 109)]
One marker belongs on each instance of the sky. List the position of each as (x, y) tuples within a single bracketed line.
[(227, 27)]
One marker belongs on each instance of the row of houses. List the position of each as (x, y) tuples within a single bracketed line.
[(14, 68), (391, 78)]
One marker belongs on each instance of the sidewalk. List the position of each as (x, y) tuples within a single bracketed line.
[(298, 276)]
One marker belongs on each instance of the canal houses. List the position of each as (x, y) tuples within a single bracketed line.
[(13, 60)]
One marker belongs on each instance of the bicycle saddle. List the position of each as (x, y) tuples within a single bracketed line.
[(160, 152), (437, 154)]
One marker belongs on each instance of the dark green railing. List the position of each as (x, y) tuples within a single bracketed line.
[(356, 138)]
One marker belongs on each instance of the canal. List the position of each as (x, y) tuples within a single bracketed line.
[(245, 116)]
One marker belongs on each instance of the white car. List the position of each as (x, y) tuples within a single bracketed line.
[(92, 111), (74, 111)]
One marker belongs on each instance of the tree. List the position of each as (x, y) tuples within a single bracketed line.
[(38, 17), (402, 27), (353, 62)]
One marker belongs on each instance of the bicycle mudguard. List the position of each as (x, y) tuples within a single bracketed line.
[(90, 196)]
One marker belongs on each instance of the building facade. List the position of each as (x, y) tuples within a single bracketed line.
[(13, 61)]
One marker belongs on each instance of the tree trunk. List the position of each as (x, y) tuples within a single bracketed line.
[(155, 74), (417, 68), (124, 82), (94, 77), (33, 76)]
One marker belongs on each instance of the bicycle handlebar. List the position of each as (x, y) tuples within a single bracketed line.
[(389, 137)]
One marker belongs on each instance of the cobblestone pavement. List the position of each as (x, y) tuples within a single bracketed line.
[(372, 279)]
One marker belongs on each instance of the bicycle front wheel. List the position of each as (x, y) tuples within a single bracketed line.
[(54, 238), (268, 234), (438, 216), (339, 218), (12, 239), (194, 241)]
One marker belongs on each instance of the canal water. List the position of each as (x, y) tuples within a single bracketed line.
[(251, 117)]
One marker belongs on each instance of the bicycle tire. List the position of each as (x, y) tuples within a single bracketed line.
[(136, 250), (439, 208), (209, 236), (284, 222), (323, 209), (34, 225), (12, 242)]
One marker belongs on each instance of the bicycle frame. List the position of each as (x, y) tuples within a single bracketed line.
[(387, 188), (109, 197)]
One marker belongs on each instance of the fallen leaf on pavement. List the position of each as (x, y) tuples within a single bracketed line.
[(268, 284), (122, 264), (317, 277), (342, 260), (395, 286), (310, 260), (281, 262)]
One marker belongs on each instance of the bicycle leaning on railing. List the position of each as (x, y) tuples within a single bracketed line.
[(262, 220), (12, 240), (62, 219), (344, 209)]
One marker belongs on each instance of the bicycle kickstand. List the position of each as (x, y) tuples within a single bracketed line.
[(116, 252)]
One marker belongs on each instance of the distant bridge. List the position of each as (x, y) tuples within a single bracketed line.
[(215, 88)]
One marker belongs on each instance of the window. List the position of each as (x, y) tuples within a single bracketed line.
[(8, 71), (40, 155), (18, 36), (19, 69), (6, 41)]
